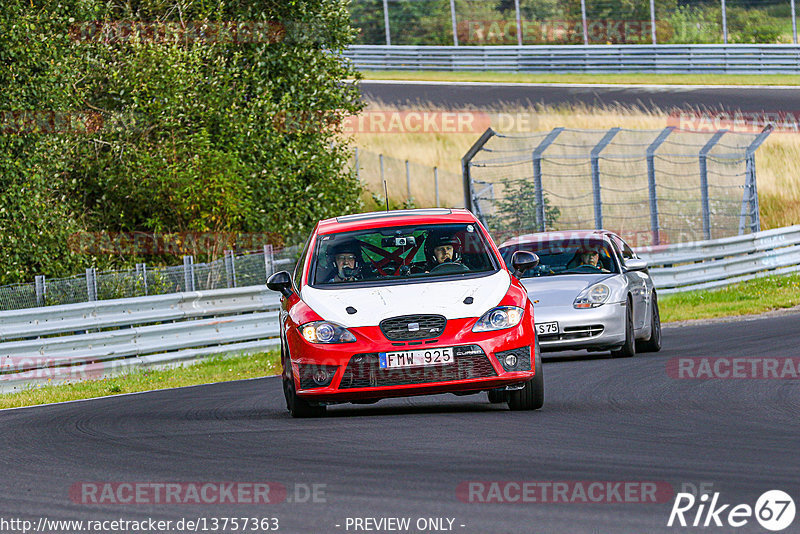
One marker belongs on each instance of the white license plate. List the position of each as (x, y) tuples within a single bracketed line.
[(547, 328), (416, 358)]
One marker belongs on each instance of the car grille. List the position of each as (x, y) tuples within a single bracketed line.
[(575, 332), (408, 327), (363, 371)]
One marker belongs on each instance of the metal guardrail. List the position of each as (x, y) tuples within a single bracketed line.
[(102, 338), (701, 58), (721, 262)]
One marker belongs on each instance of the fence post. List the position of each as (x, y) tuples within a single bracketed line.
[(704, 182), (230, 268), (436, 184), (653, 21), (584, 23), (537, 176), (651, 181), (41, 290), (595, 158), (358, 173), (269, 260), (466, 162), (91, 284), (750, 195), (188, 273), (453, 20), (408, 182), (380, 160), (724, 23), (141, 270), (794, 24), (519, 23), (386, 22)]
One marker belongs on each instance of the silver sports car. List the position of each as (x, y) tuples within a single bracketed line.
[(589, 291)]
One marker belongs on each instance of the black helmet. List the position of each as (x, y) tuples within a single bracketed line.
[(351, 246), (439, 240)]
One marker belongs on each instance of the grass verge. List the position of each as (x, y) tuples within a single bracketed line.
[(216, 369), (625, 79), (751, 297)]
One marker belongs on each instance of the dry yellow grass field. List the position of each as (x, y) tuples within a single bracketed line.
[(777, 161)]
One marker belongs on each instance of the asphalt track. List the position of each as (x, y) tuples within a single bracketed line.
[(487, 95), (603, 420)]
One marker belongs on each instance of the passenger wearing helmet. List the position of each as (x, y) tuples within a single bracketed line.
[(440, 249), (346, 260)]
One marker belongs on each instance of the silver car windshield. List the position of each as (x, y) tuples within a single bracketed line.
[(386, 255), (566, 257)]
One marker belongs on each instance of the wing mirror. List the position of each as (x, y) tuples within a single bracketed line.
[(281, 282), (522, 260), (635, 264)]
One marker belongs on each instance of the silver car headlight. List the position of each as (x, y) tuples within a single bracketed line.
[(325, 332), (499, 318), (592, 296)]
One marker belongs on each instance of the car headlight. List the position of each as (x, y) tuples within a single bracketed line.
[(592, 296), (499, 318), (325, 332)]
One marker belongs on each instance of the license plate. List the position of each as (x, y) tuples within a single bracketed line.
[(416, 358), (547, 328)]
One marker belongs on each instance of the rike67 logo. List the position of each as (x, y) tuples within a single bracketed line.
[(774, 510)]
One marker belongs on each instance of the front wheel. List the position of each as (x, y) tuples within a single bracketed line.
[(531, 397), (628, 349), (653, 344), (297, 406)]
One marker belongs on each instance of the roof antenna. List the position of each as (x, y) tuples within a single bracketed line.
[(386, 193)]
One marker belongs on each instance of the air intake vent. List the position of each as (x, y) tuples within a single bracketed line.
[(409, 327)]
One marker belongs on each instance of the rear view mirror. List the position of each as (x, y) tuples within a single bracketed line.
[(635, 264), (281, 282), (522, 260)]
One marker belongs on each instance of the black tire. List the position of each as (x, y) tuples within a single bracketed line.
[(297, 406), (496, 396), (628, 349), (653, 343), (531, 397)]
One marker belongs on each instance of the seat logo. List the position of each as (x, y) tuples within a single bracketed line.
[(413, 327)]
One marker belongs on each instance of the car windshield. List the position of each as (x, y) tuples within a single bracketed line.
[(566, 257), (401, 253)]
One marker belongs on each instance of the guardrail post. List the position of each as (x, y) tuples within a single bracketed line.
[(598, 202), (380, 160), (794, 24), (453, 20), (704, 182), (651, 181), (386, 23), (519, 23), (91, 284), (230, 268), (724, 23), (653, 21), (538, 152), (584, 24), (269, 261), (750, 195), (188, 273), (466, 162), (408, 182), (41, 290)]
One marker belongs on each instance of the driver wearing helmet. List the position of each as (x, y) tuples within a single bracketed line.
[(590, 257), (440, 249), (346, 259)]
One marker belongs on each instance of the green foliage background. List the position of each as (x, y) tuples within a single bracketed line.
[(167, 135)]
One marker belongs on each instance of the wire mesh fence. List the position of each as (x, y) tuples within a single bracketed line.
[(230, 271), (480, 22), (650, 186)]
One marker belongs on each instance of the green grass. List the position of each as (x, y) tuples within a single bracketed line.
[(217, 369), (628, 78), (751, 297)]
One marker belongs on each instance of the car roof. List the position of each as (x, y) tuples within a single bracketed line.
[(381, 219), (538, 237)]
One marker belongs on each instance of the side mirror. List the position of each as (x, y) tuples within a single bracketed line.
[(522, 260), (282, 282), (635, 264)]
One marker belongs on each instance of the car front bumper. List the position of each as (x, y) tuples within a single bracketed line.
[(600, 328), (358, 375)]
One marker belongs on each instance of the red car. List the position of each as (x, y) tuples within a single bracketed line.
[(400, 303)]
